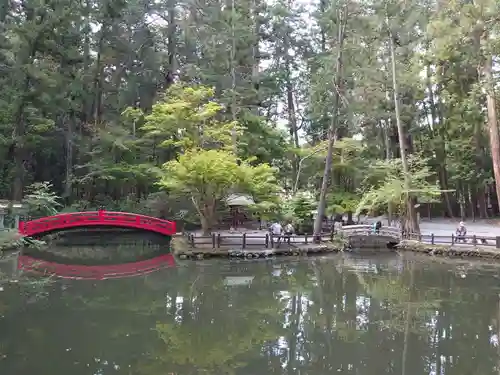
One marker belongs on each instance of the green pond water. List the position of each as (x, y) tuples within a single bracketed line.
[(343, 314)]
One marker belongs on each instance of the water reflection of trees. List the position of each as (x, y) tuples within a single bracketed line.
[(305, 317)]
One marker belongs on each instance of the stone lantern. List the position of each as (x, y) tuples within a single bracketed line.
[(16, 209)]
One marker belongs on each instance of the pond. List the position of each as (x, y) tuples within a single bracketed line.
[(344, 314)]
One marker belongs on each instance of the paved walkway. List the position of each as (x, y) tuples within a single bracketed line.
[(445, 227)]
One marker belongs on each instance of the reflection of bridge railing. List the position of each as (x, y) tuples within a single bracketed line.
[(68, 271), (367, 230)]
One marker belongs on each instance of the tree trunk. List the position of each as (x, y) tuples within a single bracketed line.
[(440, 154), (412, 225), (492, 122), (171, 44), (18, 136), (292, 116), (481, 201), (98, 76), (68, 140), (331, 132), (232, 64)]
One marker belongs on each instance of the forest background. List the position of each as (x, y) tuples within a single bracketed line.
[(167, 107)]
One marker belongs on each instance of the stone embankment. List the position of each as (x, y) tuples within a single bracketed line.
[(182, 249), (10, 240), (457, 250)]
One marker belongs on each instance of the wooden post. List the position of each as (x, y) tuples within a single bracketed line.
[(432, 238), (244, 240), (218, 240), (213, 240), (4, 206)]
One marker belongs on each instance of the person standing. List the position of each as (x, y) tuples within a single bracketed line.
[(276, 230), (461, 232), (288, 231)]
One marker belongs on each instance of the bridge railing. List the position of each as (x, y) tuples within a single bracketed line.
[(246, 240), (453, 239), (75, 219), (367, 230)]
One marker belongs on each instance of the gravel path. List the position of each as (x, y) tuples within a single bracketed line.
[(441, 227), (444, 227)]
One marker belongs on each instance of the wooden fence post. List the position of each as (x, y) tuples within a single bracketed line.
[(244, 240)]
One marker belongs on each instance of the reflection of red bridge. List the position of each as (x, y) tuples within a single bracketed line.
[(96, 218), (66, 271)]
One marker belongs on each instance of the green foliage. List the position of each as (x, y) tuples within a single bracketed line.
[(187, 118), (342, 202), (299, 210), (209, 176), (41, 199), (385, 184), (98, 110)]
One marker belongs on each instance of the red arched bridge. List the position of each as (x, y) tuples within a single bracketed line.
[(96, 218)]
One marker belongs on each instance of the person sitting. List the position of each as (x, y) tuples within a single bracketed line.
[(461, 232)]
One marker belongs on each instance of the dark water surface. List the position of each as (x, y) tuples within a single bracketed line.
[(317, 316)]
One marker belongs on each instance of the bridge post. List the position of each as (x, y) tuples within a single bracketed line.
[(17, 221), (21, 227)]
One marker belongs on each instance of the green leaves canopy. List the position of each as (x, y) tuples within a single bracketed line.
[(209, 176)]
